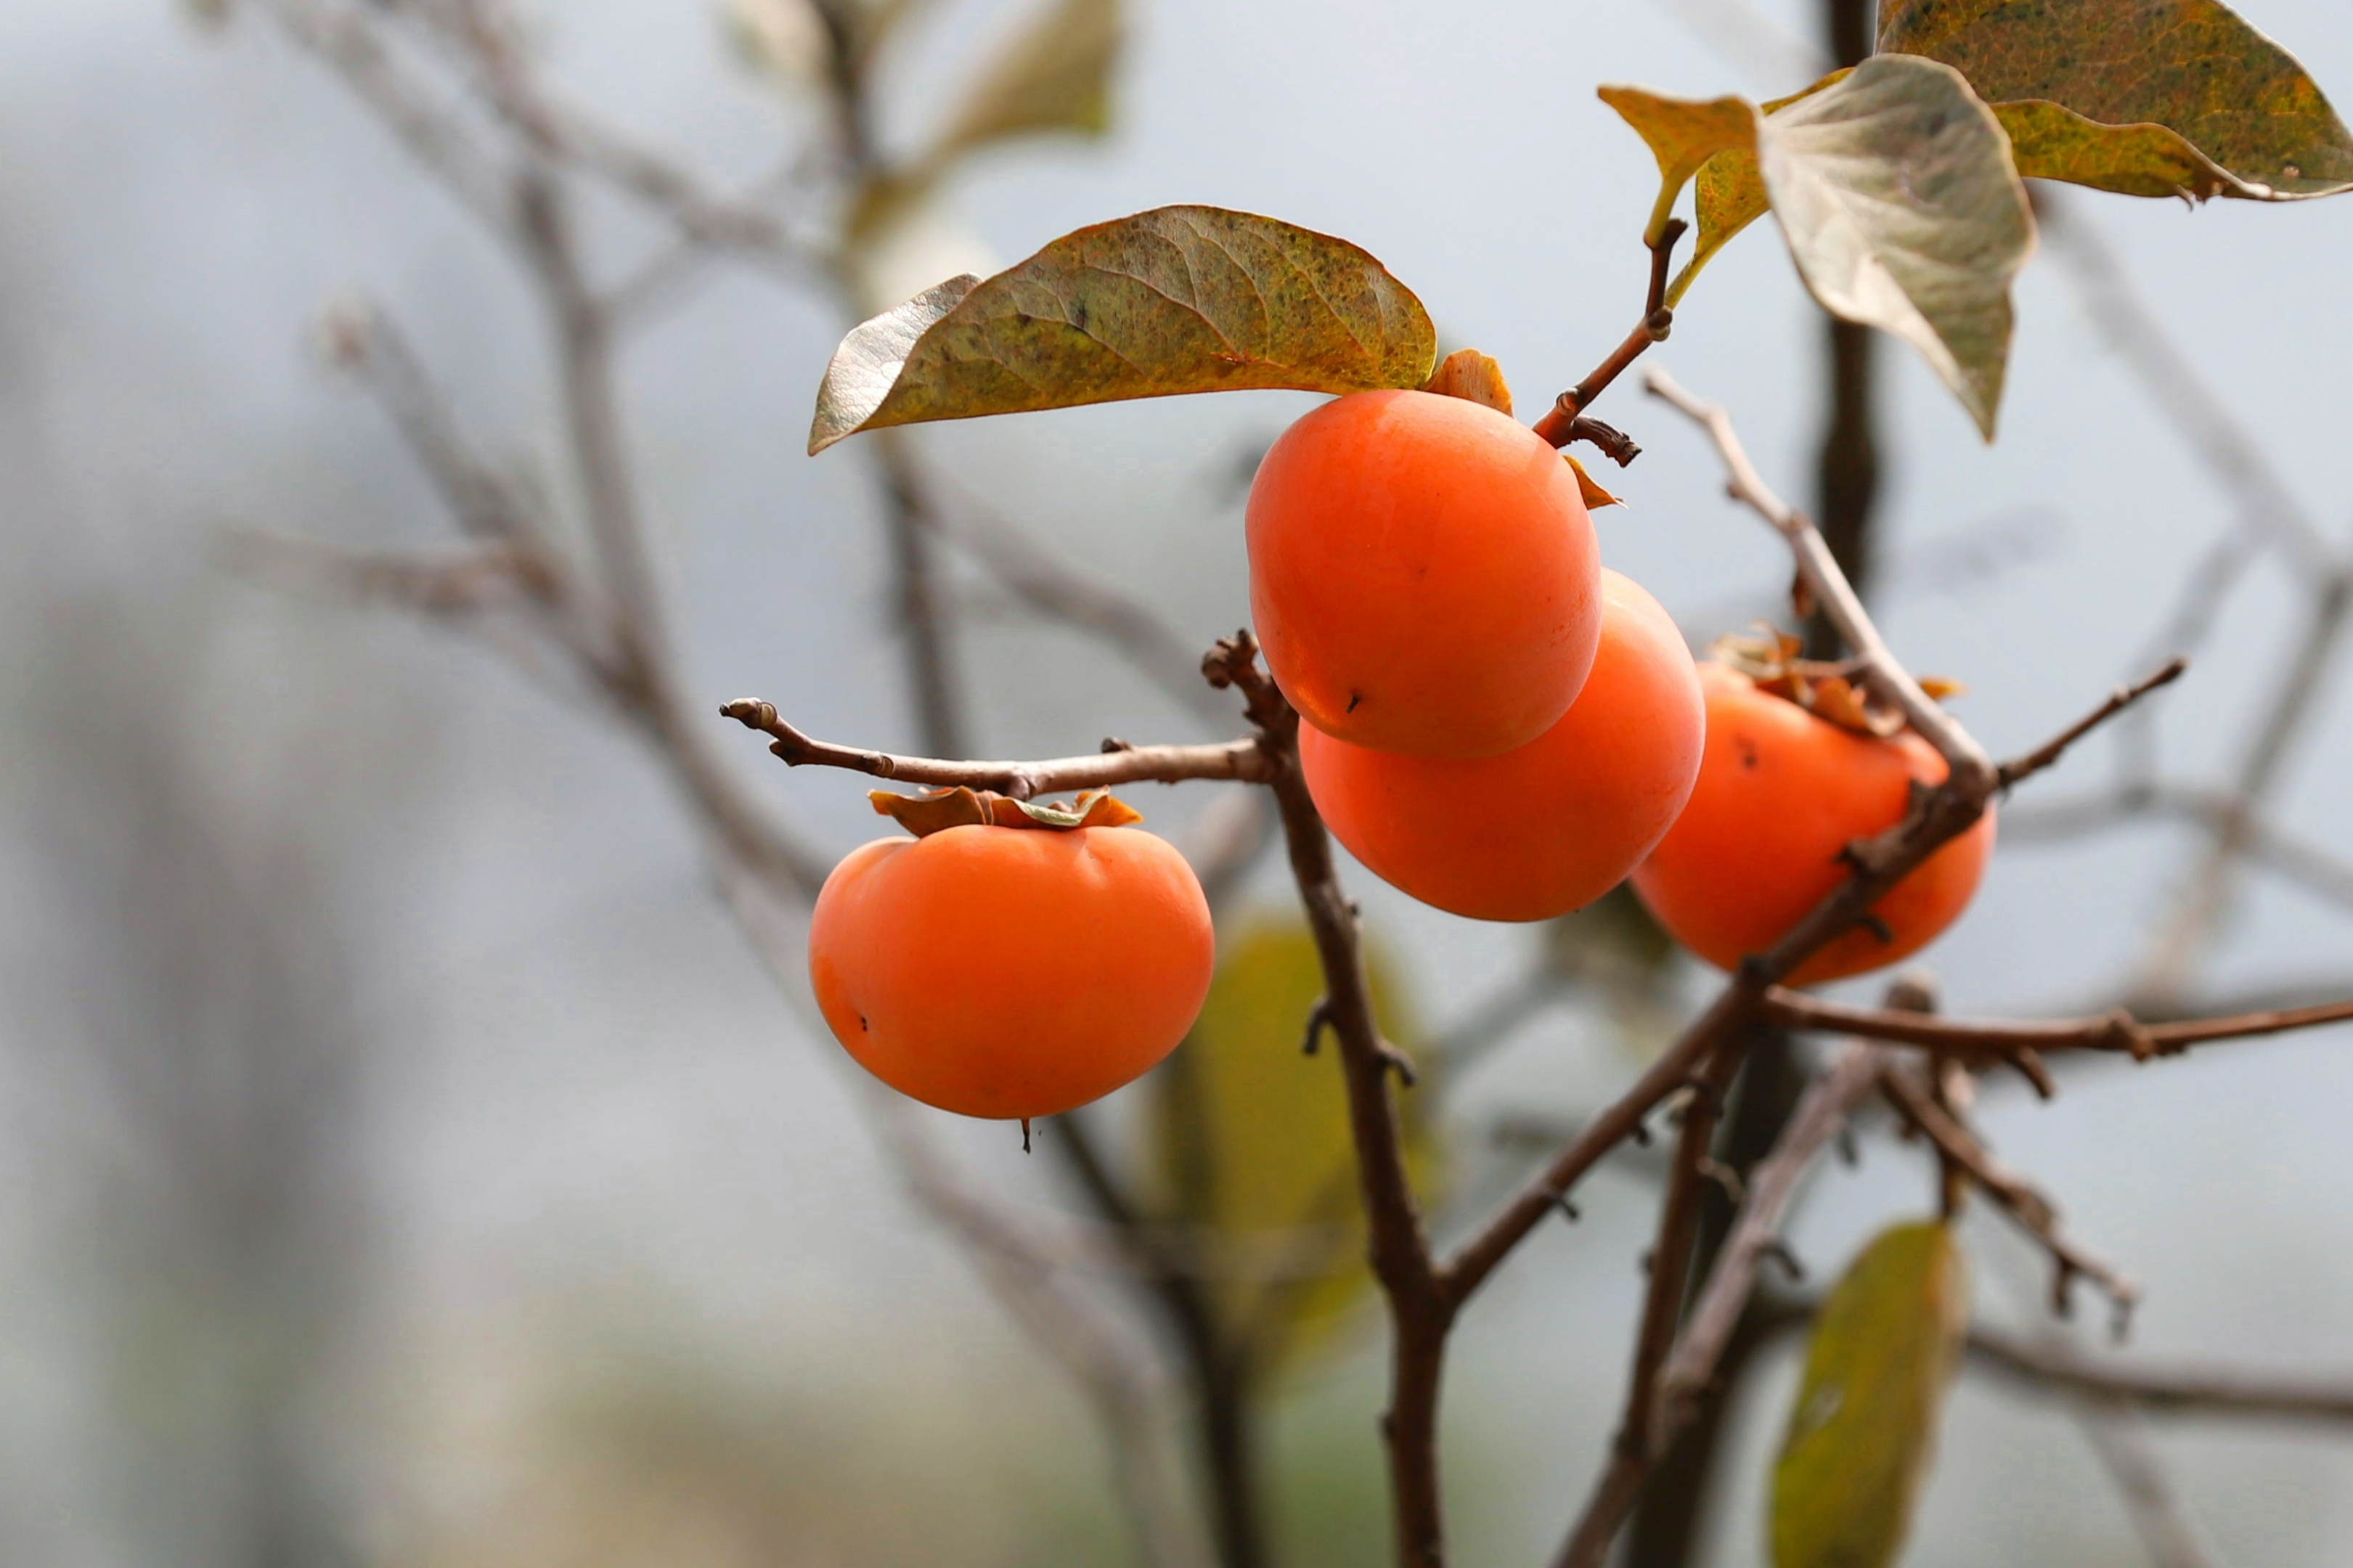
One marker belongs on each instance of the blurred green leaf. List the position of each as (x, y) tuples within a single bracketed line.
[(1177, 299), (2249, 120), (1863, 1427), (1903, 211), (1250, 1146)]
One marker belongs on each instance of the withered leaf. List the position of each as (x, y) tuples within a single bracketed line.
[(2194, 67), (1177, 299), (923, 815)]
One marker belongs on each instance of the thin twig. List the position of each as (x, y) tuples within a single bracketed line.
[(1831, 590), (1243, 761), (2114, 1031), (2173, 1390), (1563, 422), (2019, 769), (2011, 1192)]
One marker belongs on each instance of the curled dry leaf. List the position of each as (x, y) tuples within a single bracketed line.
[(2152, 97), (1467, 373), (1827, 689), (922, 814), (1595, 497), (1177, 299)]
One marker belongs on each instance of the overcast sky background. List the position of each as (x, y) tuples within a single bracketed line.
[(588, 1129)]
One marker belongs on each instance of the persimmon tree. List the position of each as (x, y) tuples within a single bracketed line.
[(1898, 185)]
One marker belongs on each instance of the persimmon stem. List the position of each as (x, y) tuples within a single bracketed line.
[(1564, 422)]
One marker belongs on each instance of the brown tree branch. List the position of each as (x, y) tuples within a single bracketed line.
[(1980, 1038), (1850, 1078), (2173, 1390), (2012, 1193), (1247, 761), (2019, 769), (1641, 1432), (1972, 770), (1678, 1379), (1421, 1309)]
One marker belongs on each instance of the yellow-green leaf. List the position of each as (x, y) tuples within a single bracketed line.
[(1683, 133), (2192, 67), (2050, 142), (1896, 190), (1055, 75), (1177, 299), (1249, 1146), (1863, 1427), (1729, 194)]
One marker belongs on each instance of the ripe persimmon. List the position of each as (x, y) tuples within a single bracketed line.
[(1424, 578), (1011, 973), (1546, 827), (1781, 794)]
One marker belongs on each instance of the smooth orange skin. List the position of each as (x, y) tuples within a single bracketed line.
[(1424, 578), (1546, 827), (1780, 793), (1002, 971)]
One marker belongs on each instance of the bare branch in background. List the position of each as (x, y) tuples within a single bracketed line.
[(2174, 1389), (2201, 416), (2113, 1031), (2117, 1436), (1972, 769)]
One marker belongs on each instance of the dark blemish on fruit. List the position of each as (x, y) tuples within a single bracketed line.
[(1354, 698), (1747, 751), (862, 1024)]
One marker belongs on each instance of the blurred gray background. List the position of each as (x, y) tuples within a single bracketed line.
[(406, 1160)]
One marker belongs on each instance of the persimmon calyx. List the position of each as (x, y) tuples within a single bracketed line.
[(1476, 378), (1830, 689), (922, 814)]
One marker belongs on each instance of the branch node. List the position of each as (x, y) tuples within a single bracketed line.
[(1398, 1062), (1319, 1015)]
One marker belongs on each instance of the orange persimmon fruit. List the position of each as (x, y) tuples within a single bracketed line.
[(1546, 827), (1423, 576), (1781, 794), (1009, 972)]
